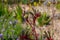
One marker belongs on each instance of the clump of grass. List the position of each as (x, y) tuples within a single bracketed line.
[(44, 19)]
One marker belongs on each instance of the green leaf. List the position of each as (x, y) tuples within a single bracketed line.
[(24, 1), (1, 9), (19, 13)]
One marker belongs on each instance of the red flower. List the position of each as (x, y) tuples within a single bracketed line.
[(50, 38), (37, 15), (23, 37)]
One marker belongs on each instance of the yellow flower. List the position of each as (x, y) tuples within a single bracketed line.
[(35, 4), (49, 2)]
